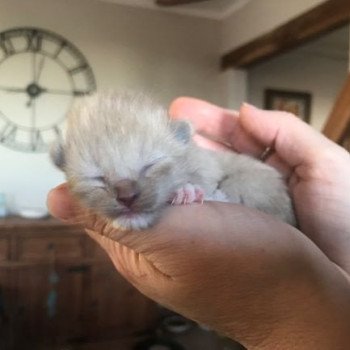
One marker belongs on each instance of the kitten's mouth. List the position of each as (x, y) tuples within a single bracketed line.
[(128, 214), (136, 211), (127, 211)]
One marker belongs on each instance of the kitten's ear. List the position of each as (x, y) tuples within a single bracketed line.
[(182, 130), (57, 154)]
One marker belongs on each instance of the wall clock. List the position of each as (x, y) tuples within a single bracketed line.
[(40, 74)]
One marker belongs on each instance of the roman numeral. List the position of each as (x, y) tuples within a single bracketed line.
[(8, 133), (34, 41), (57, 132), (80, 92), (59, 50), (6, 46), (36, 139), (78, 69)]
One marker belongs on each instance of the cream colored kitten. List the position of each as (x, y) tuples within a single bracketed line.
[(125, 159)]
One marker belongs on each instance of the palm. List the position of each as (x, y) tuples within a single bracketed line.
[(317, 170)]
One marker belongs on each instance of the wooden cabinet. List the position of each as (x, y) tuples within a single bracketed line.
[(58, 287)]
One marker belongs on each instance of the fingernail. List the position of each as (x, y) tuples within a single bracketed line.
[(246, 104)]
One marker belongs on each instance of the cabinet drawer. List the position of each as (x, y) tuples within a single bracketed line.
[(95, 251), (4, 249), (46, 248)]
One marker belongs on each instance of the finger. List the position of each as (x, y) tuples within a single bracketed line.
[(60, 204), (220, 124), (127, 261), (276, 162), (207, 118), (129, 251), (64, 206), (294, 141), (210, 144), (242, 142), (215, 123)]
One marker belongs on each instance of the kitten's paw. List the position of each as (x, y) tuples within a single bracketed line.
[(188, 194)]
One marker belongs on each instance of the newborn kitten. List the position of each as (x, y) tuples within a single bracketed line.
[(125, 159)]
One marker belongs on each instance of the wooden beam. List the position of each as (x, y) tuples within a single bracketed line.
[(176, 2), (339, 120), (315, 22)]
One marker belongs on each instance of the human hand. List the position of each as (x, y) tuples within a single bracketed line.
[(317, 170), (237, 270)]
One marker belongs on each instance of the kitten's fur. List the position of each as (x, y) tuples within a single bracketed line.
[(113, 136)]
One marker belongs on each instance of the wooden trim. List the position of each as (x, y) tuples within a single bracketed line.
[(346, 140), (313, 23), (176, 2), (339, 120)]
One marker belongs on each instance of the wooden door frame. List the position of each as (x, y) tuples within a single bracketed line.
[(337, 126)]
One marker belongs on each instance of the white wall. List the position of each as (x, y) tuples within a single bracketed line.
[(166, 54), (259, 17), (235, 83), (322, 76)]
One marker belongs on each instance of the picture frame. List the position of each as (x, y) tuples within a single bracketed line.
[(295, 102)]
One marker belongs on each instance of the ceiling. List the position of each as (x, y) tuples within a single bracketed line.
[(214, 9)]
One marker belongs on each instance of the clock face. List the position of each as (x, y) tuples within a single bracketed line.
[(40, 75)]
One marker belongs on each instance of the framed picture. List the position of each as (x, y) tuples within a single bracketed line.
[(298, 103)]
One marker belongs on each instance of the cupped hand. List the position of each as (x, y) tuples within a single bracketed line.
[(235, 269), (317, 170)]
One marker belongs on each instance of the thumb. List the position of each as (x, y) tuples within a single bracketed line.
[(64, 206), (295, 142), (131, 252)]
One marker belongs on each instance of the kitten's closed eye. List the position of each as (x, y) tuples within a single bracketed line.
[(146, 169), (156, 167), (97, 181)]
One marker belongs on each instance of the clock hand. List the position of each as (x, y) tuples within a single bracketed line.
[(32, 104), (34, 65), (65, 92), (45, 90), (21, 90), (12, 89), (40, 68)]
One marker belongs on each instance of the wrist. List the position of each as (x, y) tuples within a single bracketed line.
[(308, 312)]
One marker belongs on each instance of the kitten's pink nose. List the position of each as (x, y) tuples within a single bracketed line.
[(127, 191)]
